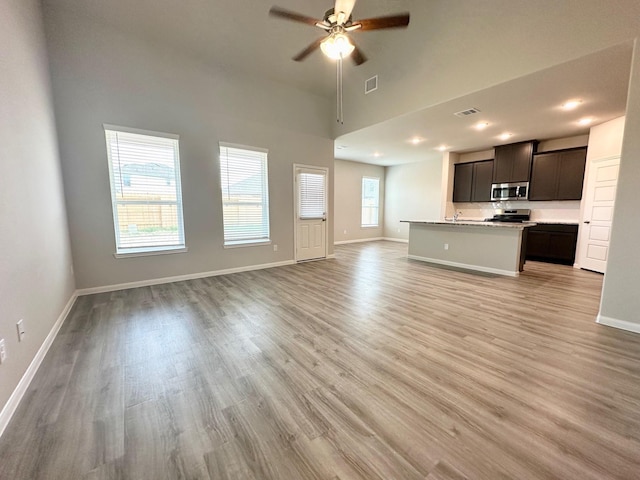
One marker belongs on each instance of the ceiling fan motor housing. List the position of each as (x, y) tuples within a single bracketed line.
[(331, 18)]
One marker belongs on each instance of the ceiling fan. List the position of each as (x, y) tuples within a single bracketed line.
[(338, 23)]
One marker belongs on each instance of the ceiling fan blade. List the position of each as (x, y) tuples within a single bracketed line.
[(309, 50), (357, 56), (293, 16), (392, 21), (344, 6)]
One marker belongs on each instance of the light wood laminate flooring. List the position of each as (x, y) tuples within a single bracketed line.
[(366, 366)]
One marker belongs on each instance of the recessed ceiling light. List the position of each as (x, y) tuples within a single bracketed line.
[(505, 136), (442, 148), (417, 140), (585, 121), (571, 104), (481, 125), (377, 154)]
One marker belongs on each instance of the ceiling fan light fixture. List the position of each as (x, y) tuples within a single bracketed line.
[(337, 45)]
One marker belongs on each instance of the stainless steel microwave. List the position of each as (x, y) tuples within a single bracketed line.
[(509, 191)]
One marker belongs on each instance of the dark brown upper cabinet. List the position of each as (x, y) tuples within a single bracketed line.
[(558, 175), (482, 178), (512, 162), (472, 181), (462, 182)]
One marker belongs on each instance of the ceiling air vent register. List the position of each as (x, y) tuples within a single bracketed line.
[(371, 84), (467, 112)]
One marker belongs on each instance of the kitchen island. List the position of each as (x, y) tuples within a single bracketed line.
[(492, 247)]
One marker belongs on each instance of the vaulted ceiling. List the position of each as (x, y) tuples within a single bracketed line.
[(237, 34), (241, 36)]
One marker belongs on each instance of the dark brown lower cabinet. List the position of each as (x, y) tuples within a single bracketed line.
[(553, 243)]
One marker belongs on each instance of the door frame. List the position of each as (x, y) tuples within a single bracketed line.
[(325, 170)]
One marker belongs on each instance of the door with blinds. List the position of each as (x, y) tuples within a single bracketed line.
[(311, 213)]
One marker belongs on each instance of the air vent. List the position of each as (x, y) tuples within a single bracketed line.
[(466, 113), (371, 84)]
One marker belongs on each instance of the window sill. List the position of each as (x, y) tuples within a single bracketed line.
[(147, 252), (369, 226), (247, 243)]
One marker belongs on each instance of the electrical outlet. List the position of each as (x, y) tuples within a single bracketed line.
[(345, 232), (275, 248), (398, 230), (20, 326), (3, 351), (446, 246)]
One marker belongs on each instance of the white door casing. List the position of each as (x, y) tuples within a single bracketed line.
[(310, 189), (600, 195)]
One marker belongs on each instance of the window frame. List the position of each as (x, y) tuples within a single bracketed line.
[(265, 196), (363, 206), (125, 252)]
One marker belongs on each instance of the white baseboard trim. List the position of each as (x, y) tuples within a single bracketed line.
[(399, 240), (14, 400), (621, 324), (357, 240), (331, 255), (180, 278), (478, 268)]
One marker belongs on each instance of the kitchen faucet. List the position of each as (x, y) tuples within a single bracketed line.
[(456, 216)]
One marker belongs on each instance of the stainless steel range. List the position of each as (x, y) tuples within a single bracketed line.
[(517, 215)]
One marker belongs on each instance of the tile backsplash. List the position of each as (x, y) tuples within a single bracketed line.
[(560, 211)]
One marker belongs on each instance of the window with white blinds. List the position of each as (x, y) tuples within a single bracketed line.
[(312, 195), (144, 170), (370, 201), (245, 194)]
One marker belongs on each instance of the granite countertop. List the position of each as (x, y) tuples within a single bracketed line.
[(473, 223)]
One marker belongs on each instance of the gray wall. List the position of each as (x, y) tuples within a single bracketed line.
[(103, 76), (620, 299), (348, 200), (35, 258), (413, 192)]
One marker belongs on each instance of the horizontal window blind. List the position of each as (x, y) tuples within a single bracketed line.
[(312, 198), (144, 171), (370, 201), (245, 194)]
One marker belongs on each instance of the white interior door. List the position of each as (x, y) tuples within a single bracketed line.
[(311, 213), (598, 213)]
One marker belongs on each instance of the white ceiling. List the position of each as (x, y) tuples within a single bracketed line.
[(240, 35), (528, 107)]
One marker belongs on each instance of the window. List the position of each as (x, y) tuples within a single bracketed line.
[(370, 201), (311, 195), (245, 194), (144, 170)]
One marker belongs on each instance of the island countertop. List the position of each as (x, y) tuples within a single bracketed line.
[(472, 223), (492, 247)]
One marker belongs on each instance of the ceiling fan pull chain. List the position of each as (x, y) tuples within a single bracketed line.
[(339, 89)]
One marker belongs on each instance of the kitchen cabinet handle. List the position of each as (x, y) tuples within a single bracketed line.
[(587, 221)]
